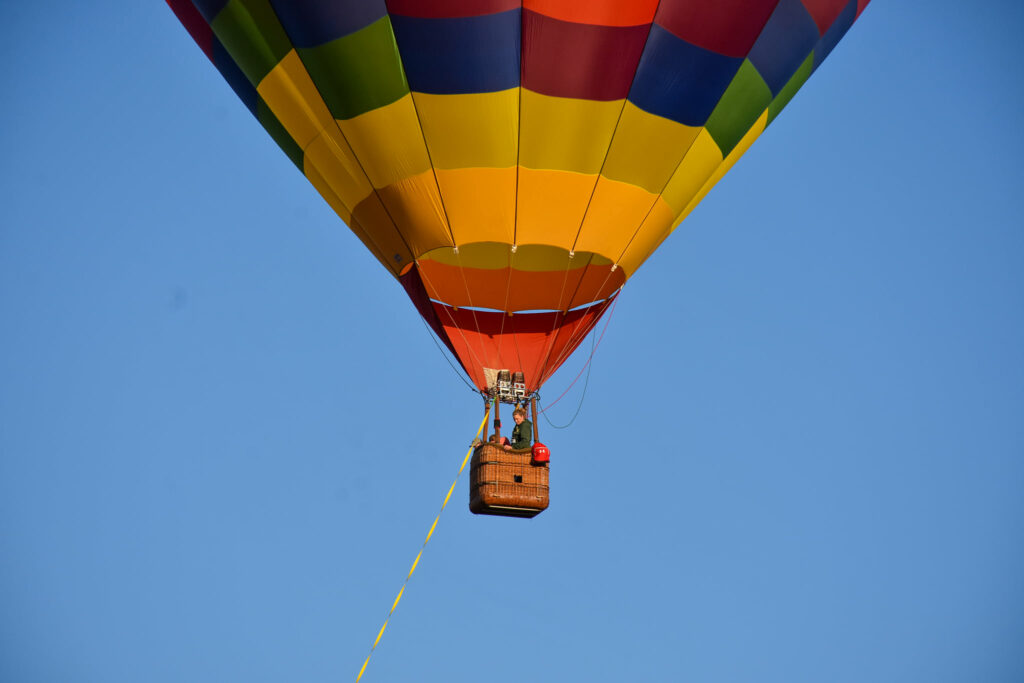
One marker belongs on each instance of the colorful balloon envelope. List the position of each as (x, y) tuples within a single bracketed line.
[(512, 164)]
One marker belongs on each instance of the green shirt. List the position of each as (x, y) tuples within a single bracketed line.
[(522, 434)]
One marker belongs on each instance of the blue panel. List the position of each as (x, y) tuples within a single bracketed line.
[(784, 43), (836, 31), (209, 8), (459, 55), (238, 81), (309, 23), (679, 80)]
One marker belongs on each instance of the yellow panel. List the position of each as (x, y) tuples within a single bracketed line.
[(321, 185), (345, 214), (551, 206), (530, 257), (651, 234), (700, 162), (481, 203), (388, 142), (334, 161), (646, 149), (370, 217), (565, 134), (615, 213), (471, 131), (527, 257), (332, 169), (295, 101), (738, 151), (415, 207), (487, 255)]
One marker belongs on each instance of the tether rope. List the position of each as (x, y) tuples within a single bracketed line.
[(430, 533)]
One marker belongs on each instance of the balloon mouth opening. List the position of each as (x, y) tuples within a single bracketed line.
[(489, 276)]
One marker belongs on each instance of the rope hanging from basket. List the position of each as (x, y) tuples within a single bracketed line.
[(430, 533)]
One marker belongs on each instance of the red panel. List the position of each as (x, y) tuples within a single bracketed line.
[(564, 59), (445, 9), (194, 23), (568, 337), (824, 12), (728, 27), (861, 4), (536, 343), (598, 12)]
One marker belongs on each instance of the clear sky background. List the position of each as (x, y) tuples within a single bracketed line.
[(224, 431)]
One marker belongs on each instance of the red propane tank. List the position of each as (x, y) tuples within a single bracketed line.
[(541, 453)]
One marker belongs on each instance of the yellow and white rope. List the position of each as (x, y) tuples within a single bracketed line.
[(430, 533)]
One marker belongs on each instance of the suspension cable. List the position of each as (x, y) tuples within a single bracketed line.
[(430, 333), (586, 366)]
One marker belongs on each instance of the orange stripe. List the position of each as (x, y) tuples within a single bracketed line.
[(527, 290), (551, 206), (415, 206), (481, 203), (615, 212)]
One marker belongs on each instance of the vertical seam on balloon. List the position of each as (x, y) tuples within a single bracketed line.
[(454, 323), (519, 128), (433, 171), (260, 98), (552, 337), (561, 293), (462, 274), (515, 207), (355, 221), (550, 343), (448, 341), (562, 306), (354, 225), (515, 345), (430, 158), (342, 133), (586, 365), (611, 140), (505, 307), (573, 340), (354, 156), (682, 158), (515, 196), (563, 356), (423, 134)]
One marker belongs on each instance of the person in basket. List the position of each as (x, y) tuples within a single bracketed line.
[(522, 433)]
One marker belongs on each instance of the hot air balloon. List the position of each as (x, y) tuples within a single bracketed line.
[(513, 163)]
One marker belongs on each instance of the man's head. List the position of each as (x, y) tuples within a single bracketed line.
[(519, 414)]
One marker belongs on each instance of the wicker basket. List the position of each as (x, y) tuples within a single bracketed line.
[(506, 483)]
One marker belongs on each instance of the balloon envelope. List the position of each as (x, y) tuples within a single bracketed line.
[(512, 164)]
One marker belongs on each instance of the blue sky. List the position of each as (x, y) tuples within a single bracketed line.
[(224, 432)]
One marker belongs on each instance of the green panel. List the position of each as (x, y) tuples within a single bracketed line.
[(278, 133), (744, 100), (358, 72), (253, 37), (795, 83)]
